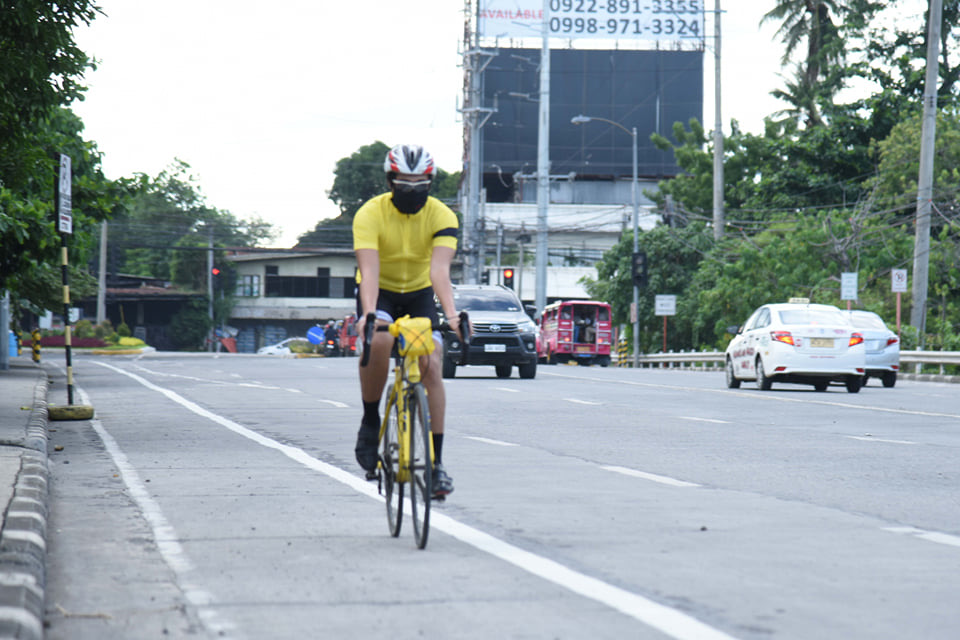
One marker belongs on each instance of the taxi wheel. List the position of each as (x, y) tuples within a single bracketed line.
[(763, 382), (889, 378), (732, 381), (449, 368), (853, 384)]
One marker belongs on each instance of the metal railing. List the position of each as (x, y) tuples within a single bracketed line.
[(713, 360)]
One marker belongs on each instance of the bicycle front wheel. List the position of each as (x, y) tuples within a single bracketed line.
[(421, 464), (390, 461)]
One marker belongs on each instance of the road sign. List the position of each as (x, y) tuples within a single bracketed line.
[(665, 305), (848, 286), (898, 279), (64, 196), (315, 334)]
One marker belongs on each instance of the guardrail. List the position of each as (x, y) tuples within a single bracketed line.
[(707, 360)]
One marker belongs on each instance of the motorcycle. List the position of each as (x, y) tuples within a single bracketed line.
[(331, 347)]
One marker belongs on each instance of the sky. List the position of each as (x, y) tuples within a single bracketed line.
[(262, 99)]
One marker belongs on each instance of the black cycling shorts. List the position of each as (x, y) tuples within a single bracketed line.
[(416, 304)]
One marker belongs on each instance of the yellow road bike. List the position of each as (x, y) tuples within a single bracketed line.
[(406, 442)]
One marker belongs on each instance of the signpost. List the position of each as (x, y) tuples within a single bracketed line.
[(665, 305), (64, 208), (898, 284), (848, 287)]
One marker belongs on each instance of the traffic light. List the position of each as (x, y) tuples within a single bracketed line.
[(638, 269), (508, 277), (215, 277), (485, 277)]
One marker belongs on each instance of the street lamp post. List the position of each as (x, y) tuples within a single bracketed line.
[(581, 119)]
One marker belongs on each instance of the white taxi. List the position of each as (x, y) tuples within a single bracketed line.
[(797, 342), (882, 346)]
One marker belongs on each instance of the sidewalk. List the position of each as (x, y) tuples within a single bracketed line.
[(23, 498)]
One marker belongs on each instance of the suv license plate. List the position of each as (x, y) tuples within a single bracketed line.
[(495, 348)]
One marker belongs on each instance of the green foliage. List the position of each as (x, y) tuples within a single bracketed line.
[(190, 327), (103, 330), (360, 177), (166, 218), (123, 330), (83, 329)]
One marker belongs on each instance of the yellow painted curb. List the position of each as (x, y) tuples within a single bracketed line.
[(70, 412)]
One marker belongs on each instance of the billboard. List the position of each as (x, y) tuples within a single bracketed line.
[(661, 20), (649, 90)]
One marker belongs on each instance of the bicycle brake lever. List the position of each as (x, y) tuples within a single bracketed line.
[(465, 337), (368, 329)]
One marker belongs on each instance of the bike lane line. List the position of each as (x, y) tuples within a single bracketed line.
[(672, 622)]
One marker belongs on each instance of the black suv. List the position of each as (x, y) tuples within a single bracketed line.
[(503, 334)]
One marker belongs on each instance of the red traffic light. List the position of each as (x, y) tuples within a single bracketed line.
[(215, 271), (508, 278), (508, 273)]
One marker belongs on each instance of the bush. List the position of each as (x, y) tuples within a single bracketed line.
[(83, 329), (124, 330), (103, 330), (131, 342)]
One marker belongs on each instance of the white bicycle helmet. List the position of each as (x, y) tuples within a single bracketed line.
[(409, 158)]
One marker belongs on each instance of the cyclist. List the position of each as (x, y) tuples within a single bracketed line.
[(404, 241)]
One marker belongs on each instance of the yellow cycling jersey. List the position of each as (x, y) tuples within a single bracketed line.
[(405, 241)]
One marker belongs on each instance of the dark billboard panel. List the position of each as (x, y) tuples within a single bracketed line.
[(649, 90)]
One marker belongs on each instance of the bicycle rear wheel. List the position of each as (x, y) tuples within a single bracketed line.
[(389, 459), (421, 469)]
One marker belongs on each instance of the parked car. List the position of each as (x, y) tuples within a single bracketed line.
[(504, 335), (882, 346), (282, 348), (797, 342)]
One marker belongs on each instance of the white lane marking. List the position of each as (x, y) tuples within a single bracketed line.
[(251, 385), (695, 419), (339, 405), (578, 401), (672, 622), (931, 536), (872, 439), (507, 389), (673, 482), (163, 532), (499, 443), (760, 396)]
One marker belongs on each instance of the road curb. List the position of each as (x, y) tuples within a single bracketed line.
[(23, 546)]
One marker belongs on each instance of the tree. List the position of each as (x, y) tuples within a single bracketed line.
[(167, 213), (673, 257), (40, 71), (810, 21), (360, 177)]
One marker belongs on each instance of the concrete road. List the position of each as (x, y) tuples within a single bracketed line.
[(218, 497)]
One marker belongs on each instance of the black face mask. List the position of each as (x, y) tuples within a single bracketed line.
[(410, 199)]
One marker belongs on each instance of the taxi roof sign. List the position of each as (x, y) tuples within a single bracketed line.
[(799, 300)]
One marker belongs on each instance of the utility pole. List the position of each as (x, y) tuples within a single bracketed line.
[(718, 218), (921, 246), (475, 116), (543, 163), (102, 276), (211, 336)]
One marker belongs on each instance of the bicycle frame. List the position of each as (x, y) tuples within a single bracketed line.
[(407, 459), (409, 336)]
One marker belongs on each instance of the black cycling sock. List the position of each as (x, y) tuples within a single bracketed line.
[(437, 448), (371, 414)]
